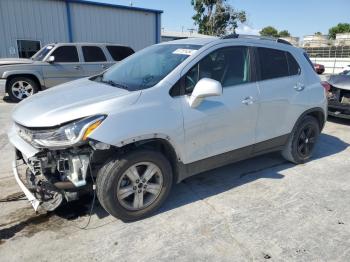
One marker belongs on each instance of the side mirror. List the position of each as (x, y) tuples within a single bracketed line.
[(51, 59), (205, 87)]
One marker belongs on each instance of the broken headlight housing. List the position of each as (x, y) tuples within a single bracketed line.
[(70, 134)]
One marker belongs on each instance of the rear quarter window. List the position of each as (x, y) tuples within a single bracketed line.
[(293, 66), (309, 61), (118, 53)]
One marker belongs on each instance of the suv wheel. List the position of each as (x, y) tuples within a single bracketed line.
[(302, 141), (20, 88), (135, 185)]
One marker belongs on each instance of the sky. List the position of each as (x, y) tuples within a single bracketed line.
[(299, 17)]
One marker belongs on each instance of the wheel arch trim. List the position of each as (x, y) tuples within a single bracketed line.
[(23, 73), (155, 140), (316, 112)]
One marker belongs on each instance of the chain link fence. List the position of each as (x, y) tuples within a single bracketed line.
[(329, 51)]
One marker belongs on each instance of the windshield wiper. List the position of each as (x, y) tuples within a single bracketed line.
[(112, 83)]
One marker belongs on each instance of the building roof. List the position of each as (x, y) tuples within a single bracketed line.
[(115, 6), (192, 41), (176, 34)]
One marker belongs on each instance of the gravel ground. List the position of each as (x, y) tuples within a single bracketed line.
[(256, 210)]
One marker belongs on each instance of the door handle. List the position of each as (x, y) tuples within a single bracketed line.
[(104, 67), (76, 67), (299, 87), (248, 100)]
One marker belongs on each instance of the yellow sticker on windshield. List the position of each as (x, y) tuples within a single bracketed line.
[(183, 51)]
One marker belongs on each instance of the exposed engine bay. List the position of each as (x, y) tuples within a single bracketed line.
[(57, 176)]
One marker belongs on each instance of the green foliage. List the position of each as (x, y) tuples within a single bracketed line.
[(284, 33), (216, 17), (339, 28), (318, 33), (269, 31)]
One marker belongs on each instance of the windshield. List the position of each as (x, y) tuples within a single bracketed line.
[(39, 56), (146, 68)]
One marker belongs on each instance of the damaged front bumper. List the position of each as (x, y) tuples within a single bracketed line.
[(51, 176), (32, 199)]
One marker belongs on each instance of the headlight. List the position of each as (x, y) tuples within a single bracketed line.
[(70, 134)]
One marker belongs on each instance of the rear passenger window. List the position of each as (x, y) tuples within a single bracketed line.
[(118, 53), (273, 63), (293, 65), (66, 54), (93, 54)]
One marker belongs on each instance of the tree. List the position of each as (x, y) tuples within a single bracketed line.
[(284, 33), (216, 17), (318, 33), (339, 28), (269, 31)]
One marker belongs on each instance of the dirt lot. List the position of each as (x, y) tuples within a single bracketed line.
[(257, 210)]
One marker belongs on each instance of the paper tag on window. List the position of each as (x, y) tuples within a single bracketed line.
[(183, 51)]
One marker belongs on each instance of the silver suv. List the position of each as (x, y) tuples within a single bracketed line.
[(56, 64), (163, 114)]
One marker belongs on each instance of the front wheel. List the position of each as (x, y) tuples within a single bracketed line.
[(302, 141), (135, 185), (20, 88)]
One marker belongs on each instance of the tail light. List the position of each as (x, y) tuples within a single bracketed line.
[(326, 85)]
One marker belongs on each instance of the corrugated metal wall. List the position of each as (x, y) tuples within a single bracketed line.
[(46, 21), (103, 24), (41, 20)]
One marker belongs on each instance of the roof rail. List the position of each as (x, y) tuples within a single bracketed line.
[(235, 36)]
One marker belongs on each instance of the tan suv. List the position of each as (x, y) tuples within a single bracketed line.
[(55, 64)]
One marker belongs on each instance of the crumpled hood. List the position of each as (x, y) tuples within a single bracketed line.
[(340, 81), (70, 101), (15, 61)]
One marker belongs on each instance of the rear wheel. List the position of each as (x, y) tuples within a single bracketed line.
[(302, 141), (135, 185), (20, 88)]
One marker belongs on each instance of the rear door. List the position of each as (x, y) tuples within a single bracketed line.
[(95, 60), (280, 83), (66, 67)]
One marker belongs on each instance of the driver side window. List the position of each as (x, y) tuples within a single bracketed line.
[(230, 66)]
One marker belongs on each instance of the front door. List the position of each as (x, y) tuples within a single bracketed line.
[(66, 66), (225, 123)]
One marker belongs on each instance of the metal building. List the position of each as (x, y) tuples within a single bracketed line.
[(28, 25)]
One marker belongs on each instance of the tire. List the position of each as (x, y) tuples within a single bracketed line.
[(303, 136), (114, 184), (20, 88)]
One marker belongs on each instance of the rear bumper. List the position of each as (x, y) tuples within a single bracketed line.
[(339, 110), (2, 87)]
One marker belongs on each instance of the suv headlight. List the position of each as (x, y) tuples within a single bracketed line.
[(73, 133)]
